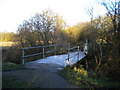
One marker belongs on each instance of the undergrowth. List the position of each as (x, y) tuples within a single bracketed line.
[(87, 79), (7, 66)]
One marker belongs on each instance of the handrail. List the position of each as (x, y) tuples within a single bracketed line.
[(25, 56), (72, 48), (43, 51), (42, 46), (50, 51), (32, 55)]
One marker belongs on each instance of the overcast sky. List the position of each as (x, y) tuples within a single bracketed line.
[(13, 12)]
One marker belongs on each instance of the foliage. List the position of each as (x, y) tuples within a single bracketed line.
[(6, 44), (7, 36), (89, 80), (81, 71), (12, 54), (44, 28), (103, 48), (73, 33)]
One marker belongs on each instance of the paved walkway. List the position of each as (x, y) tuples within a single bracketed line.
[(42, 76)]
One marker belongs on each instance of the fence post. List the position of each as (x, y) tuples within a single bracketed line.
[(23, 61), (43, 52)]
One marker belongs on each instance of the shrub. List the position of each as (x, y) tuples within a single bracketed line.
[(11, 66), (13, 54)]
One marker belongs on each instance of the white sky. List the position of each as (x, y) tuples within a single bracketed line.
[(13, 12)]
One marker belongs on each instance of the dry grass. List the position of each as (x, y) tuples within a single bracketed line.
[(5, 44), (87, 79)]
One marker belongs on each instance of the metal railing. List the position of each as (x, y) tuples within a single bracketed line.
[(77, 54), (41, 53), (68, 50)]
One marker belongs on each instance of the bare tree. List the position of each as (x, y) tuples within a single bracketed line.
[(112, 8), (119, 20), (44, 28)]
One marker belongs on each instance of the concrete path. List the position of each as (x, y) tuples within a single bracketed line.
[(42, 76)]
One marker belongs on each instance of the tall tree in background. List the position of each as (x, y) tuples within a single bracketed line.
[(90, 13), (44, 28), (112, 11), (73, 33), (7, 36)]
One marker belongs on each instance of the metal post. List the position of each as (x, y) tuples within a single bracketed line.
[(23, 61), (68, 53), (68, 56), (86, 47), (78, 53), (43, 52), (55, 50)]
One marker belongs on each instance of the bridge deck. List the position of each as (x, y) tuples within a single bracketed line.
[(61, 59)]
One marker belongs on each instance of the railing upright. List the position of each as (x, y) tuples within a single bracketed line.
[(78, 53), (68, 54), (43, 52), (55, 50), (23, 56)]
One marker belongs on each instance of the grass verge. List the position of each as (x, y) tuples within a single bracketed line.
[(87, 79), (5, 44), (7, 66), (12, 82)]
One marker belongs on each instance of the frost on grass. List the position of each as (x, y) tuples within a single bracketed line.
[(62, 59)]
